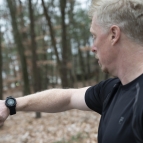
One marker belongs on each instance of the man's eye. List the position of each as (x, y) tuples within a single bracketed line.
[(93, 37)]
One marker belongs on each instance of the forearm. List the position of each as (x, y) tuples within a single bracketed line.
[(51, 101)]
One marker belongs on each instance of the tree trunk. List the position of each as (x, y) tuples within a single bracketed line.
[(45, 81), (72, 74), (88, 60), (64, 69), (48, 18), (1, 80), (35, 70), (62, 66), (82, 64), (23, 33), (20, 47)]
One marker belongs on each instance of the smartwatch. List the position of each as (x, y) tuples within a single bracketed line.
[(10, 102)]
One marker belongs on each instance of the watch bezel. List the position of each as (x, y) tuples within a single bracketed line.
[(8, 105)]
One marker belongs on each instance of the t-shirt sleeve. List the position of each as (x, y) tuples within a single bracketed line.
[(95, 95)]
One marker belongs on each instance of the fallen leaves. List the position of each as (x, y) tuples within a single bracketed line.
[(67, 127)]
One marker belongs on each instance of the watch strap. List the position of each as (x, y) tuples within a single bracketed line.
[(12, 110)]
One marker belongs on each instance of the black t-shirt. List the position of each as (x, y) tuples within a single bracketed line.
[(121, 109)]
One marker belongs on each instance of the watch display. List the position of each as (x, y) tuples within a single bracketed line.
[(10, 102)]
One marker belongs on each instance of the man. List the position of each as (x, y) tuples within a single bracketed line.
[(117, 29)]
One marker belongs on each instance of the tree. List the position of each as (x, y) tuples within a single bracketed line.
[(35, 70), (1, 80), (65, 49), (62, 64), (20, 47)]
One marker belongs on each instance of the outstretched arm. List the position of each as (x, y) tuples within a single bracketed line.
[(54, 100), (50, 101)]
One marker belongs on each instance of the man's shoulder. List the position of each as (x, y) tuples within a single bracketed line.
[(96, 95), (109, 83), (104, 87)]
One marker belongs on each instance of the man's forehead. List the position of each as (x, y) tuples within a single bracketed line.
[(93, 25)]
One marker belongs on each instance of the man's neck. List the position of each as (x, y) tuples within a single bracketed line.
[(127, 77), (130, 65)]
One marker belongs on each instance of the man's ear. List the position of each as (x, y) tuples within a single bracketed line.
[(115, 33)]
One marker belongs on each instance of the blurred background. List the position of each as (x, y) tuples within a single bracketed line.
[(45, 44)]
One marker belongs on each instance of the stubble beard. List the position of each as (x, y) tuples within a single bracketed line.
[(104, 69)]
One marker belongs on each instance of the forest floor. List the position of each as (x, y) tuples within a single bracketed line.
[(67, 127)]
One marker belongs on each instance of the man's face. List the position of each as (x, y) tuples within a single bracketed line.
[(102, 47)]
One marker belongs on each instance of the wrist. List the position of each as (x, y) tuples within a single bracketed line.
[(5, 107), (21, 104)]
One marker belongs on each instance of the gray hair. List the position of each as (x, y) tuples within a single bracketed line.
[(127, 14)]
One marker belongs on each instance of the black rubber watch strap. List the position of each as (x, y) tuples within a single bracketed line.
[(12, 110)]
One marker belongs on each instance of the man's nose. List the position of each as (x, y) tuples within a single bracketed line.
[(93, 49)]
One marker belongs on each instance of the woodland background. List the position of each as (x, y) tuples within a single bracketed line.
[(46, 44)]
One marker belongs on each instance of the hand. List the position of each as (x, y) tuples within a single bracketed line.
[(4, 112)]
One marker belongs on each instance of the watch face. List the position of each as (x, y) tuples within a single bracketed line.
[(10, 102)]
